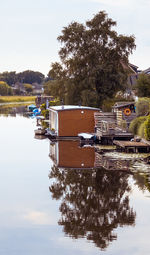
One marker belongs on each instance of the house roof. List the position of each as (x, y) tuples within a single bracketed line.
[(147, 71), (122, 104), (133, 67), (71, 107)]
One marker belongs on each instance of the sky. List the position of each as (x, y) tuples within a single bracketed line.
[(29, 29)]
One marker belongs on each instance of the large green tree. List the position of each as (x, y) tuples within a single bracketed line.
[(9, 77), (93, 61), (30, 77)]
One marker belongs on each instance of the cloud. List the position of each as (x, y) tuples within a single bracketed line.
[(113, 2), (40, 218), (126, 4)]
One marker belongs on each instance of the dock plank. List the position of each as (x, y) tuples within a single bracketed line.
[(130, 144)]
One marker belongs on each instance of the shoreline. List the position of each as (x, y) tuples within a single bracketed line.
[(16, 99)]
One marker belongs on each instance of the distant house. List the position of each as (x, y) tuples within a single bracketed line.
[(37, 89), (70, 120), (147, 71), (18, 88), (132, 74), (79, 157)]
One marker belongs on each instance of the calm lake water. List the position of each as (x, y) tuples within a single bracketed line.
[(57, 198)]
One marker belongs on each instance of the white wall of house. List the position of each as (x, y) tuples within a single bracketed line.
[(54, 121)]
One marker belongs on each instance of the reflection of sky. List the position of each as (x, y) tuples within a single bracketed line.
[(28, 215)]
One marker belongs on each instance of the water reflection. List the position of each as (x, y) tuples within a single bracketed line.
[(94, 202), (69, 154), (13, 110)]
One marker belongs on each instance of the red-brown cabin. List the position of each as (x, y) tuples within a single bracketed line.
[(70, 120)]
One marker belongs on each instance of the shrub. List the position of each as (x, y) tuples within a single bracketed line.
[(143, 85), (5, 90), (147, 128), (141, 130), (142, 106), (135, 124)]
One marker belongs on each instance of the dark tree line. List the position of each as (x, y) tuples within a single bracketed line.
[(28, 77)]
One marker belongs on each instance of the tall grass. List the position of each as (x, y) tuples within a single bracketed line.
[(9, 99)]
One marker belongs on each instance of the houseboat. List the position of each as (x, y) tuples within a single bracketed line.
[(70, 120)]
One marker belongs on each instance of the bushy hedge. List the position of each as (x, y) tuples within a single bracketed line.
[(147, 128), (142, 106), (5, 90), (141, 130), (141, 127), (136, 123), (44, 111)]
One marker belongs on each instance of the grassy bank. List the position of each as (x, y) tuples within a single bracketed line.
[(10, 99)]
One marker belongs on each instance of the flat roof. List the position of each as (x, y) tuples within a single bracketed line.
[(71, 107), (122, 104)]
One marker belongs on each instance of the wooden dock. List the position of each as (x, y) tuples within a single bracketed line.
[(107, 138), (134, 147)]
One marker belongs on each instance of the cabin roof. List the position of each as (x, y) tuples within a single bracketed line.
[(71, 107), (122, 104)]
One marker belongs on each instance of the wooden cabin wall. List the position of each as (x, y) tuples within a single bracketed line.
[(73, 122)]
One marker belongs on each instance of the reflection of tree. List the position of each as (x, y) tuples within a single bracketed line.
[(13, 110), (94, 203)]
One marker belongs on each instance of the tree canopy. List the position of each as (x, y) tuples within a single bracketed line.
[(5, 90), (9, 77), (92, 62), (143, 85), (27, 76)]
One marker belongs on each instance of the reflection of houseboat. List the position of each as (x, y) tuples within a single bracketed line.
[(68, 154), (111, 164), (69, 121), (40, 131)]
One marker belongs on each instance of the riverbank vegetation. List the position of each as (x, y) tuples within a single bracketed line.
[(5, 89), (11, 99), (141, 125), (23, 83), (143, 85)]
